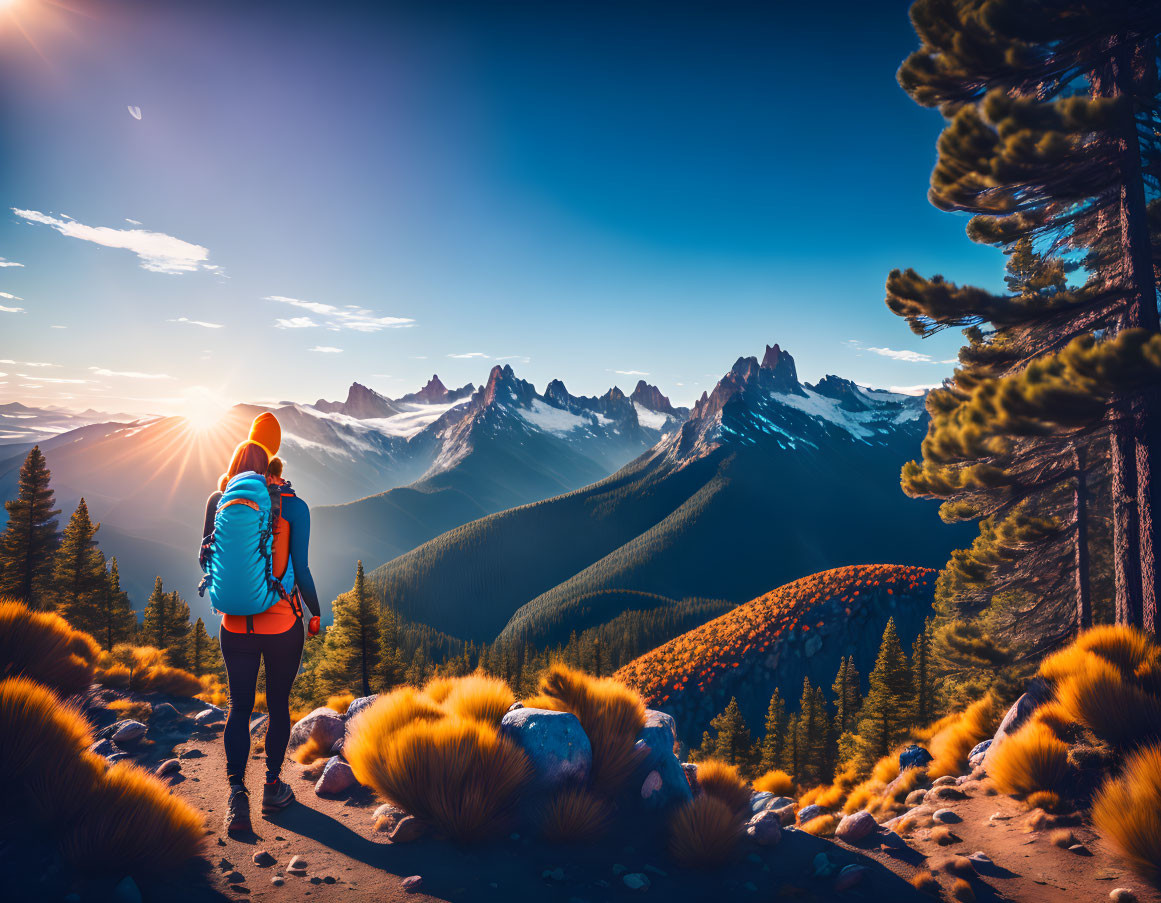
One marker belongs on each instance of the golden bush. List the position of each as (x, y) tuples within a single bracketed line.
[(1031, 759), (479, 698), (775, 781), (575, 815), (704, 833), (723, 781), (1127, 811), (43, 647)]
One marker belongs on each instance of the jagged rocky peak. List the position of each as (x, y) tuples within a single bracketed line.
[(614, 395), (776, 373), (505, 386), (650, 397), (434, 391), (845, 392), (362, 403), (558, 394)]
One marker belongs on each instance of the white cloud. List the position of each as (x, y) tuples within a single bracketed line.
[(10, 296), (135, 222), (158, 252), (57, 327), (9, 263), (27, 363), (11, 310), (521, 358), (913, 390), (327, 349), (910, 357), (470, 355), (129, 374), (47, 379), (632, 372), (351, 316), (197, 323)]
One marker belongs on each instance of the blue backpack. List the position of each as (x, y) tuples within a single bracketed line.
[(238, 556)]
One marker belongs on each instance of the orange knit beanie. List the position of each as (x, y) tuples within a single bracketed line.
[(266, 432)]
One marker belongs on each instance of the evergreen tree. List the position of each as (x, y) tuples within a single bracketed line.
[(118, 620), (731, 741), (791, 760), (775, 737), (848, 696), (30, 538), (812, 732), (204, 655), (79, 581), (165, 625), (352, 641), (1050, 106), (887, 711), (390, 669), (923, 677)]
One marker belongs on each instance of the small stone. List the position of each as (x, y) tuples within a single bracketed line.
[(128, 731), (164, 711), (556, 874), (945, 816), (850, 876), (998, 816), (786, 815), (636, 881), (263, 859), (856, 826), (1122, 895), (946, 794), (278, 881), (822, 865), (806, 813), (236, 877), (191, 754), (765, 828), (945, 781), (337, 777), (169, 766), (407, 830), (209, 716), (981, 857), (412, 883), (1080, 849), (296, 862)]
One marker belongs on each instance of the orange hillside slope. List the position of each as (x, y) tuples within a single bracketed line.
[(799, 630)]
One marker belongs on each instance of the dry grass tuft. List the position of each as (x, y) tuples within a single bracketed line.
[(1116, 709), (1047, 800), (943, 835), (1031, 759), (906, 825), (310, 752), (143, 668), (43, 647), (822, 826), (314, 770), (1127, 810), (215, 693), (137, 709), (575, 815), (722, 781), (340, 702), (959, 865), (1057, 719), (1039, 820), (458, 775), (479, 698), (41, 735), (1062, 837), (962, 891), (439, 688), (952, 743), (132, 823), (775, 781), (379, 721), (1126, 647), (925, 882), (704, 833), (611, 714)]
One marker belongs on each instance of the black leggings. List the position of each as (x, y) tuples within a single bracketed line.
[(242, 652)]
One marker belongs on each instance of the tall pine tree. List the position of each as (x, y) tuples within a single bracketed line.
[(118, 620), (390, 669), (204, 654), (775, 737), (165, 625), (79, 581), (887, 711), (848, 697), (30, 538), (352, 641), (923, 677), (731, 741)]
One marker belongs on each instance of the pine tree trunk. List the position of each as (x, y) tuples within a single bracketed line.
[(1126, 547), (1080, 542)]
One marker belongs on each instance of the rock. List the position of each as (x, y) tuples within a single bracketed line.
[(104, 748), (889, 840), (981, 857), (357, 706), (1039, 691), (191, 754), (407, 829), (1079, 849), (387, 816), (655, 742), (323, 724), (806, 813), (945, 781), (263, 859), (850, 876), (945, 816), (127, 891), (164, 711), (948, 793), (913, 757), (336, 777), (636, 881), (765, 828), (297, 862), (822, 865), (651, 785), (278, 881), (208, 716), (856, 826), (554, 742), (128, 731), (980, 748), (1122, 895), (689, 769), (412, 884), (116, 757), (236, 878), (169, 766), (915, 798), (786, 814)]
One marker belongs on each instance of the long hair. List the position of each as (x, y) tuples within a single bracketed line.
[(248, 456)]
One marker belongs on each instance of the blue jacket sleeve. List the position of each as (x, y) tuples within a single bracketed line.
[(297, 514)]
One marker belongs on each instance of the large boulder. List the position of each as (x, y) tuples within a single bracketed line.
[(357, 706), (856, 826), (1038, 692), (913, 757), (806, 813), (554, 742), (323, 724), (765, 828), (660, 776), (336, 777), (128, 731)]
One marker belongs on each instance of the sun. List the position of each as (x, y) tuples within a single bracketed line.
[(202, 408)]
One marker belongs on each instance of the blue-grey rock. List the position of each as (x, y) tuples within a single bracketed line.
[(1038, 692), (980, 748), (116, 757), (164, 711), (806, 813), (554, 742), (209, 715), (913, 757), (660, 776), (945, 816), (168, 767), (358, 706), (636, 881), (128, 731), (765, 828), (104, 748), (336, 777), (324, 724)]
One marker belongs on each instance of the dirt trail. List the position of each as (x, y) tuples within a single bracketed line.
[(339, 843)]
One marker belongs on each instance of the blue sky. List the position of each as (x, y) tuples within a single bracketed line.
[(590, 191)]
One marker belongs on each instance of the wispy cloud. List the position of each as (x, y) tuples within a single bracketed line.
[(135, 222), (4, 308), (129, 374), (49, 379), (632, 372), (897, 354), (352, 317), (469, 355), (10, 296), (196, 323), (27, 363), (327, 349), (913, 390), (9, 263), (519, 358), (158, 252)]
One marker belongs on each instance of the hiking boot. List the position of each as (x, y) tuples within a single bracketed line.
[(276, 796), (238, 811)]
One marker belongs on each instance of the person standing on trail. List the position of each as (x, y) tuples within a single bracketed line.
[(254, 554)]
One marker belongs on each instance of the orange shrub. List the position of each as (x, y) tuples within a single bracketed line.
[(479, 698), (1126, 647), (1115, 708), (340, 702), (137, 709), (925, 883), (822, 826), (722, 781), (1127, 811), (962, 891), (575, 815), (775, 781), (1031, 759), (1047, 800), (310, 752), (42, 646), (132, 823), (438, 688), (704, 833), (951, 745), (148, 672), (391, 712)]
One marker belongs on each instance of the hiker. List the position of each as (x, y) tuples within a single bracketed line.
[(255, 558)]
